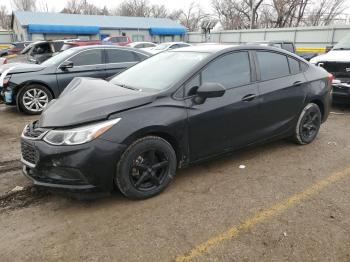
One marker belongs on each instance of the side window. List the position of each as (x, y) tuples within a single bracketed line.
[(229, 70), (294, 66), (139, 57), (89, 57), (272, 65), (58, 45), (194, 82), (119, 56), (288, 47), (174, 46)]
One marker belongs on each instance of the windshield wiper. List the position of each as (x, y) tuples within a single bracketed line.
[(129, 87)]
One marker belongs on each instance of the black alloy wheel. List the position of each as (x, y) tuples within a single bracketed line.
[(146, 168), (308, 124), (149, 170)]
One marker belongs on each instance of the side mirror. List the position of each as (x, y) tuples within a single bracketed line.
[(208, 90), (66, 64)]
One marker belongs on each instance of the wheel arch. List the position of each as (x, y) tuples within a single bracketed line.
[(172, 139), (31, 82), (320, 104)]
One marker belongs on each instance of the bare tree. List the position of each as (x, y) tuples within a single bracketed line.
[(325, 11), (139, 8), (105, 11), (81, 7), (227, 13), (72, 7), (24, 5), (190, 17), (249, 8), (5, 20), (158, 11)]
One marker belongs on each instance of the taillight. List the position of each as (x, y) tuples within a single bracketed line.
[(330, 77)]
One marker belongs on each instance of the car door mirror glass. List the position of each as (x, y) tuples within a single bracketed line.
[(66, 64)]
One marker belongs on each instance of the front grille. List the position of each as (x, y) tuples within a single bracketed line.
[(29, 153), (338, 69), (341, 89), (32, 131)]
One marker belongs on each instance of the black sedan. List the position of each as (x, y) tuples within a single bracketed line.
[(32, 86), (174, 109)]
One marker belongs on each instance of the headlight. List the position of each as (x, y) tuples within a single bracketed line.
[(6, 80), (79, 135)]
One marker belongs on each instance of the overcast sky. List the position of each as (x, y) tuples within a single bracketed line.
[(171, 4)]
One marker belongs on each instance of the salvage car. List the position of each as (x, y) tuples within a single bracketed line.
[(174, 109), (16, 47), (337, 62), (32, 86)]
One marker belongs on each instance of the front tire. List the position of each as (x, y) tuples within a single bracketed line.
[(32, 99), (146, 168), (308, 125)]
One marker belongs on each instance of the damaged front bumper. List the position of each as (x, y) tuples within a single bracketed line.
[(341, 91)]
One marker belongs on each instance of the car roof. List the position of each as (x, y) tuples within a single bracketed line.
[(211, 48), (220, 48), (79, 48)]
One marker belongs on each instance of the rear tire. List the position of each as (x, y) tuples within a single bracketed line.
[(32, 99), (308, 124), (146, 168)]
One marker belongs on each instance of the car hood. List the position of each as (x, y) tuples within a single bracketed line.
[(21, 68), (332, 56), (87, 99)]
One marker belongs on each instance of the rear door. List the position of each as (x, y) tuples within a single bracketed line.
[(223, 123), (87, 63), (117, 60), (282, 90)]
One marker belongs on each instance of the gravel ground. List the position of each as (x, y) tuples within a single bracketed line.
[(203, 202)]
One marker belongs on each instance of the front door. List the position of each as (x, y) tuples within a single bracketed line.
[(88, 63), (228, 122)]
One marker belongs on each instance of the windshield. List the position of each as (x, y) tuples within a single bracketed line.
[(59, 57), (160, 71), (343, 44), (162, 46)]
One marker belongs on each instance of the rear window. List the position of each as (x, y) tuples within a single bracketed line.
[(272, 65), (119, 39), (120, 56)]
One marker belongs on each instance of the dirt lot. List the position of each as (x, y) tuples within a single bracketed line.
[(290, 203)]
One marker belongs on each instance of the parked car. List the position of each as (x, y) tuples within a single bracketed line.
[(308, 55), (70, 44), (4, 52), (117, 40), (142, 45), (17, 47), (166, 46), (39, 51), (174, 109), (286, 45), (32, 86), (337, 62)]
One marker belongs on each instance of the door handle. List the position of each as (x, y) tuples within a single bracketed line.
[(298, 83), (249, 98)]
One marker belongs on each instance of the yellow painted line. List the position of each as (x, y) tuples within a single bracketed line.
[(311, 49), (262, 216)]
